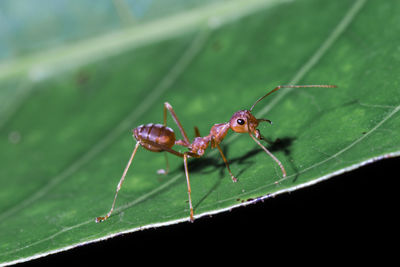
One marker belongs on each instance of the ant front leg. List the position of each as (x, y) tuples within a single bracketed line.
[(270, 154)]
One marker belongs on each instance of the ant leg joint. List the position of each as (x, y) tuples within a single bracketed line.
[(167, 105)]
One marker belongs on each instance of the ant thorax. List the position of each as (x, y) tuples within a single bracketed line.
[(199, 145), (217, 134)]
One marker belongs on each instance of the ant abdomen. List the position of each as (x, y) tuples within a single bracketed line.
[(156, 133)]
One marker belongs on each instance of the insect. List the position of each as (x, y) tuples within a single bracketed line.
[(160, 138)]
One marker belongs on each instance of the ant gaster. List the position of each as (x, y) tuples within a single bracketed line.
[(159, 137)]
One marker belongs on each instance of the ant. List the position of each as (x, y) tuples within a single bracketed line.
[(159, 138)]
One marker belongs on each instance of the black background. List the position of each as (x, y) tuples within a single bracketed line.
[(352, 215)]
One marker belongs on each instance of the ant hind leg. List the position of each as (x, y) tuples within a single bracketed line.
[(167, 106), (101, 219), (196, 132), (166, 170)]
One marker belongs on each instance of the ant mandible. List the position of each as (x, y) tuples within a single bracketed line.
[(159, 138)]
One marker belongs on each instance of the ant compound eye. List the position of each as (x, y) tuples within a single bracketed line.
[(240, 121)]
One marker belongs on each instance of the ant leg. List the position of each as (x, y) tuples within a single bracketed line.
[(166, 170), (234, 179), (185, 155), (101, 219), (164, 148), (170, 150), (270, 154), (171, 110), (196, 132), (186, 142), (261, 137)]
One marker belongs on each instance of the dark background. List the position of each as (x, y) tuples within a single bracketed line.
[(351, 215)]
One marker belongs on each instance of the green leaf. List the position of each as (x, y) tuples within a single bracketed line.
[(66, 114)]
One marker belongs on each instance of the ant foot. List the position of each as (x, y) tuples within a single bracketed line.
[(100, 219), (191, 216), (162, 171), (234, 179)]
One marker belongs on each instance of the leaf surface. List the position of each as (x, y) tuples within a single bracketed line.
[(66, 134)]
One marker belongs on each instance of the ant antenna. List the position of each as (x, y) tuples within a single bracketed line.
[(290, 86)]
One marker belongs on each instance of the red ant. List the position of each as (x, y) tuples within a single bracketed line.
[(159, 137)]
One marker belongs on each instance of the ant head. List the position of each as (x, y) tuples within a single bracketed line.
[(243, 122)]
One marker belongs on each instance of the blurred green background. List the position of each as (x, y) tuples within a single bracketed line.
[(26, 27)]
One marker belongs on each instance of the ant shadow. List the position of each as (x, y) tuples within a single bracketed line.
[(199, 164), (283, 145)]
